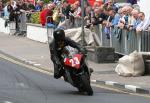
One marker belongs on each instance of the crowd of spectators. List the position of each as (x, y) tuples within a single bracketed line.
[(107, 14), (12, 10)]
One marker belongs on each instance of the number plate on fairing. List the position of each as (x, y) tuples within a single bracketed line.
[(74, 61)]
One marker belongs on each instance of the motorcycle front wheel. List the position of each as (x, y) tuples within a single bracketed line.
[(86, 85)]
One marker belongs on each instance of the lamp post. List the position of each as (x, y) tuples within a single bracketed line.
[(82, 27)]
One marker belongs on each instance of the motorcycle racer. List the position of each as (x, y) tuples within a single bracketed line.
[(56, 48)]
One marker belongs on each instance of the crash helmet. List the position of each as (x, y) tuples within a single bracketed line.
[(59, 35)]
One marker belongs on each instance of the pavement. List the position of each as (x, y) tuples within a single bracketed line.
[(37, 54)]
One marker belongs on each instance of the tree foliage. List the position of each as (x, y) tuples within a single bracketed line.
[(5, 1)]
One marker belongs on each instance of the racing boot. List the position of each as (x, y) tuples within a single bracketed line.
[(91, 70), (59, 73)]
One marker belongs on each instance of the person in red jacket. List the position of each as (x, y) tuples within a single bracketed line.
[(48, 11), (42, 16)]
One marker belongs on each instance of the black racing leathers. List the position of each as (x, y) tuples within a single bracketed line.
[(56, 54)]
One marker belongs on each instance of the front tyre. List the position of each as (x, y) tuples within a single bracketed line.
[(86, 84)]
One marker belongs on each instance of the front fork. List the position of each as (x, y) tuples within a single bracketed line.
[(85, 67)]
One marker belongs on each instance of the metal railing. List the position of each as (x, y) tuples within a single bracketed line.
[(125, 41)]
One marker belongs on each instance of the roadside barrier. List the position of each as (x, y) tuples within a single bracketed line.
[(124, 41)]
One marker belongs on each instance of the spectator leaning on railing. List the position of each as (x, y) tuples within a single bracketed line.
[(50, 12), (1, 8), (97, 19), (65, 11), (115, 21), (96, 4), (108, 22), (135, 19), (7, 10), (77, 14), (12, 15), (47, 11), (17, 15), (110, 16), (100, 16), (129, 17), (121, 22), (13, 4), (87, 17), (143, 24)]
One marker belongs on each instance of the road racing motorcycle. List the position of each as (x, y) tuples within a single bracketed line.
[(76, 71)]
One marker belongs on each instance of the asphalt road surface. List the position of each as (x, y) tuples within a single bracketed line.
[(18, 84)]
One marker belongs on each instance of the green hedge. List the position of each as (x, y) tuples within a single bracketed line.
[(35, 18)]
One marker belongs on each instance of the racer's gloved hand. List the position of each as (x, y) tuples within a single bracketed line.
[(83, 51)]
